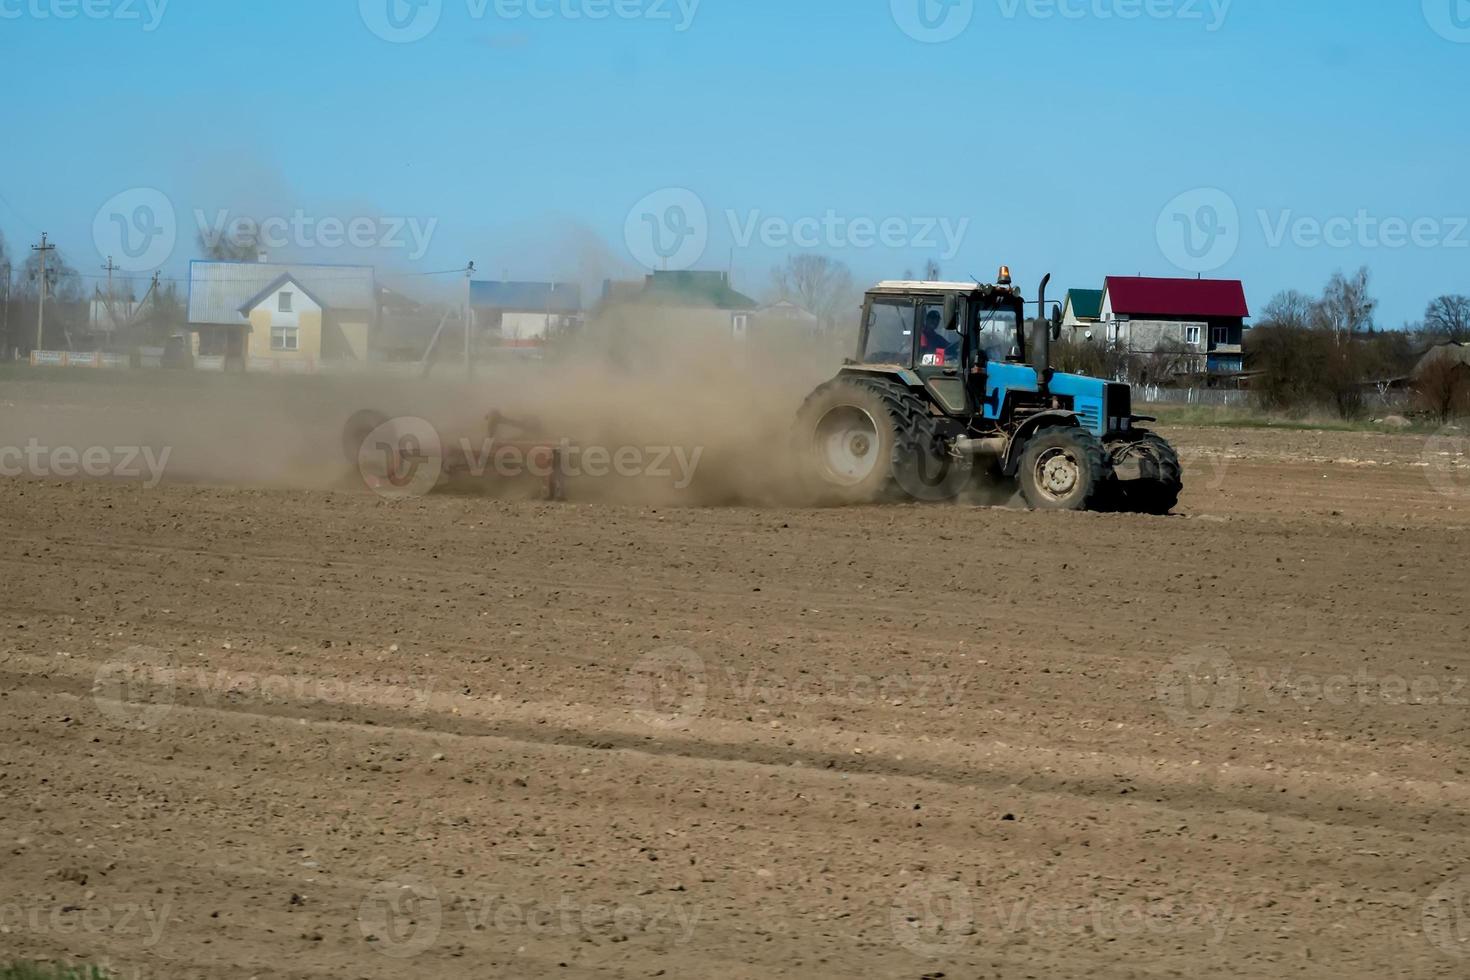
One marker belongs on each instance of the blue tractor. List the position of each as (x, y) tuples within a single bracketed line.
[(950, 387)]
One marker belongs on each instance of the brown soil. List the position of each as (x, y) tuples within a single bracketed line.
[(300, 733)]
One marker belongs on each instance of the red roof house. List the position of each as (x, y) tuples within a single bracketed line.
[(1203, 319)]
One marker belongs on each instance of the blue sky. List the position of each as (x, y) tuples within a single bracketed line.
[(1270, 140)]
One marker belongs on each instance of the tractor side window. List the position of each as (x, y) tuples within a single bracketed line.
[(890, 334), (938, 347)]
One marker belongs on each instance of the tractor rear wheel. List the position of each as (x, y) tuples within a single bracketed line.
[(1157, 491), (1065, 469), (863, 441), (355, 433)]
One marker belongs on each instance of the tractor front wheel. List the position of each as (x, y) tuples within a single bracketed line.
[(1065, 469), (1160, 478)]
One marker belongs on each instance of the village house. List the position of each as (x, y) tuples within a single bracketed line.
[(1082, 311), (524, 314), (272, 316), (696, 300), (1203, 320)]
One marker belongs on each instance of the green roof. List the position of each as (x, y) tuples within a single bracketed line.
[(711, 289), (1086, 303)]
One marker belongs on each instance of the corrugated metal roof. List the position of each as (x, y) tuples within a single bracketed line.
[(217, 290), (527, 297), (1140, 296), (1086, 303)]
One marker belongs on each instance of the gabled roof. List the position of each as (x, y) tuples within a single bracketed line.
[(785, 309), (1452, 353), (1141, 296), (276, 284), (697, 289), (1086, 304), (218, 290), (527, 297)]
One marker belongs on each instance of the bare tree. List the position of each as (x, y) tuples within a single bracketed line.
[(1169, 360), (1345, 307), (931, 271), (1290, 308), (236, 246), (1442, 387), (1449, 317), (822, 285), (63, 282)]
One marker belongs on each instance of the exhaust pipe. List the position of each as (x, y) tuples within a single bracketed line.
[(1041, 340)]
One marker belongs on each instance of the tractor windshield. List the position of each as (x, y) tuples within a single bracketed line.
[(995, 332)]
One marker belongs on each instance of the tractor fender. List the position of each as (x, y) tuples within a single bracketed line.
[(1010, 460), (889, 372)]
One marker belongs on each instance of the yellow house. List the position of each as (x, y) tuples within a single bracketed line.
[(271, 317)]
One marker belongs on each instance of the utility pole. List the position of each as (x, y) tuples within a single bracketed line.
[(5, 328), (111, 313), (42, 248), (469, 364)]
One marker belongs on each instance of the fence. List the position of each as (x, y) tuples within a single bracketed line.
[(1154, 395), (95, 359)]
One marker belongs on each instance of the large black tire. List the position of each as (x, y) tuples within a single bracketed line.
[(356, 431), (1065, 469), (866, 441), (1157, 492)]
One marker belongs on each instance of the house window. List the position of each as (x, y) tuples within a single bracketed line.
[(286, 298), (1192, 335), (1219, 336), (740, 323), (285, 338)]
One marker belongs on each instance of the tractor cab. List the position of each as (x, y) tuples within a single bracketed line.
[(945, 335)]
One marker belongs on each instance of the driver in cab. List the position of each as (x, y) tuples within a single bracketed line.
[(938, 347)]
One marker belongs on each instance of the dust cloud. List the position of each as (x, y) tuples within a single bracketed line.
[(698, 417)]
